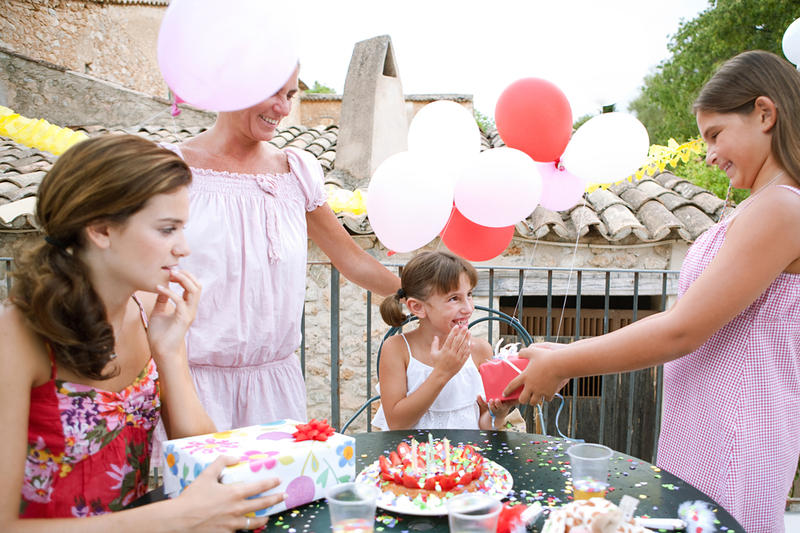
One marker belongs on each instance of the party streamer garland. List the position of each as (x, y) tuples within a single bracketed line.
[(38, 134), (659, 157)]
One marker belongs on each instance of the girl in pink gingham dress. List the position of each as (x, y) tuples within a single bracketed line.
[(734, 432), (732, 405)]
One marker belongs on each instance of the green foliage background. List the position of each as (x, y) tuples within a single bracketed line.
[(700, 45), (319, 88)]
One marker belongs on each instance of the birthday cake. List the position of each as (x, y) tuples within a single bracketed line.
[(418, 477), (439, 469)]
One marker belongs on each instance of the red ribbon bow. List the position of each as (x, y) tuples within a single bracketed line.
[(314, 430)]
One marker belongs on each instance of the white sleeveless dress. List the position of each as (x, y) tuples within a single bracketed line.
[(454, 408)]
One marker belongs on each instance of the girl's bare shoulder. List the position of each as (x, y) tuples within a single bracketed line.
[(22, 351)]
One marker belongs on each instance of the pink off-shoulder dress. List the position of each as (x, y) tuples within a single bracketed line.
[(732, 408), (248, 239)]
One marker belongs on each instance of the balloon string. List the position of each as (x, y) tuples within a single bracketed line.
[(571, 268), (147, 120), (444, 229), (520, 295)]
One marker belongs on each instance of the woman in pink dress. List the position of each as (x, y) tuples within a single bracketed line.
[(732, 405), (93, 353), (253, 209)]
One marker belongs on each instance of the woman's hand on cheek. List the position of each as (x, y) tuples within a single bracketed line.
[(454, 351), (208, 505), (539, 379), (172, 314)]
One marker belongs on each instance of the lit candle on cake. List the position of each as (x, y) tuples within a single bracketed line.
[(413, 457), (429, 455), (446, 456)]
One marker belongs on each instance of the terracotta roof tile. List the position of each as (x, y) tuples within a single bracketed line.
[(658, 220), (648, 210), (694, 220)]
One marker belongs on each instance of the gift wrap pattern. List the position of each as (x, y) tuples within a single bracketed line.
[(305, 468)]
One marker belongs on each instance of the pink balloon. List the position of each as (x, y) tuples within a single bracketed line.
[(498, 188), (560, 189), (224, 56)]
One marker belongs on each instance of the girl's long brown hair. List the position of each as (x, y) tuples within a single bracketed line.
[(740, 80), (105, 178)]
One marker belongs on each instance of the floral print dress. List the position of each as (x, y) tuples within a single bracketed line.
[(88, 448)]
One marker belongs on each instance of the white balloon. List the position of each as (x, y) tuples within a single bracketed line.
[(445, 133), (791, 42), (607, 148), (498, 188), (406, 205)]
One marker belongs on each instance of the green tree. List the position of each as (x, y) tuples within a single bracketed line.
[(724, 29), (485, 122), (580, 121), (320, 88)]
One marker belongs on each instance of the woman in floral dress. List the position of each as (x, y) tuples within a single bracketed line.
[(93, 353)]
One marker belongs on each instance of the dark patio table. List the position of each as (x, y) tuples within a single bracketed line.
[(539, 466)]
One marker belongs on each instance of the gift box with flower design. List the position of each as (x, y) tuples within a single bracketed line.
[(307, 458)]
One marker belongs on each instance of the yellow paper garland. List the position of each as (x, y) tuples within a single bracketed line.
[(37, 133), (659, 157)]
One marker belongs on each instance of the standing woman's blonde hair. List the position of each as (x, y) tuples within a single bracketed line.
[(424, 274), (743, 78), (105, 178)]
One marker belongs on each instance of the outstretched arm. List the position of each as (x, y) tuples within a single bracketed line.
[(759, 245), (346, 255)]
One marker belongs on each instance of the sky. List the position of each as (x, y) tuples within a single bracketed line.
[(597, 52)]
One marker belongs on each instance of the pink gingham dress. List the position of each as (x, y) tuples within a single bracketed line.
[(249, 242), (732, 408)]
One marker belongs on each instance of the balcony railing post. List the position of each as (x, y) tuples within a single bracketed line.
[(335, 388)]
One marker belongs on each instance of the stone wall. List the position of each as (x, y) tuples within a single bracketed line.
[(37, 89), (318, 110), (106, 40)]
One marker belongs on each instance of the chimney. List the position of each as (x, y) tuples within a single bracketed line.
[(373, 122)]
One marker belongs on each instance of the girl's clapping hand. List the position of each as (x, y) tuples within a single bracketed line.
[(454, 352)]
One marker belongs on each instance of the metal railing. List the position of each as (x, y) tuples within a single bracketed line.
[(552, 283)]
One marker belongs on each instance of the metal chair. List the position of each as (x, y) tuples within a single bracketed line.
[(493, 315)]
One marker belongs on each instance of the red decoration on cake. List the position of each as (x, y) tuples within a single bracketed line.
[(432, 468), (314, 430)]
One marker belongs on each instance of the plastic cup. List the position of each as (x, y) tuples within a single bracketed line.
[(473, 512), (589, 470), (352, 507)]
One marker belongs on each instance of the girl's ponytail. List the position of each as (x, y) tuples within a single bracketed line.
[(53, 291), (392, 309)]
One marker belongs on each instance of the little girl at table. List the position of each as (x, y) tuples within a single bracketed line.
[(427, 382), (731, 344), (93, 353)]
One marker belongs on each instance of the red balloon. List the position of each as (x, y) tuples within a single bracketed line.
[(534, 116), (472, 241)]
